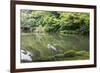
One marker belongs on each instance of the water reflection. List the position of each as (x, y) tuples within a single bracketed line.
[(38, 43)]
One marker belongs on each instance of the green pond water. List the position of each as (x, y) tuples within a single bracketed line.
[(37, 43)]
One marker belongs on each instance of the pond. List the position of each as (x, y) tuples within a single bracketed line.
[(37, 43)]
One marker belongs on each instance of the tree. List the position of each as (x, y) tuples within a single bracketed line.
[(55, 21)]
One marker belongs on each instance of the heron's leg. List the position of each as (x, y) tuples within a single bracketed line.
[(63, 55), (53, 55)]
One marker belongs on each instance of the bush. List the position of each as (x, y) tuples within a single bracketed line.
[(44, 59), (82, 53), (59, 55), (70, 53), (68, 32)]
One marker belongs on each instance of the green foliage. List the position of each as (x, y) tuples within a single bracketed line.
[(71, 53), (68, 55), (51, 22), (82, 53), (43, 59), (55, 21), (59, 55)]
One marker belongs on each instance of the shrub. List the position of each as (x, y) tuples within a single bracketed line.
[(43, 59), (59, 55), (82, 53), (69, 32), (70, 53)]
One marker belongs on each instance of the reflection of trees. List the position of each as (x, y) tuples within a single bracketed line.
[(38, 42)]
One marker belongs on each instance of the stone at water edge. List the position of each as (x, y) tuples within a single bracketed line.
[(26, 55)]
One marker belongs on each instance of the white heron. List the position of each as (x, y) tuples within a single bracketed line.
[(26, 55), (52, 49)]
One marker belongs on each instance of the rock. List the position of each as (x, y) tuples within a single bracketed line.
[(26, 56)]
